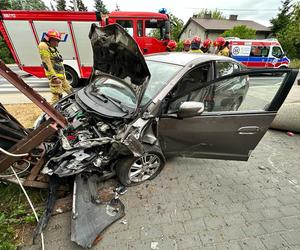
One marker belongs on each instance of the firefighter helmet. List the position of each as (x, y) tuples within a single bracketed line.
[(186, 42), (220, 41), (207, 43), (195, 44), (171, 45), (53, 34)]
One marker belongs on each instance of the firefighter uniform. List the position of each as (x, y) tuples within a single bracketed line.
[(54, 69)]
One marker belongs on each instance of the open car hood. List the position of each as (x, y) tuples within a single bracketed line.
[(116, 53)]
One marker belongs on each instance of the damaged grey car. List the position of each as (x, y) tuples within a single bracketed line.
[(137, 111)]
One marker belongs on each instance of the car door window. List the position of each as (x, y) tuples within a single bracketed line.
[(224, 68), (277, 52), (242, 93), (191, 87)]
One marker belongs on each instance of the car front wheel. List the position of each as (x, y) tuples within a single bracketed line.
[(132, 170)]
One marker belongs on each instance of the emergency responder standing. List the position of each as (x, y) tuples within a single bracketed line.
[(222, 46), (195, 45), (53, 65), (206, 46), (171, 46), (186, 45)]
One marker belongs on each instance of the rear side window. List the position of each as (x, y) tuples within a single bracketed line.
[(259, 51), (127, 25)]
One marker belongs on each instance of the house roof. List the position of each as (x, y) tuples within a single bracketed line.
[(226, 24)]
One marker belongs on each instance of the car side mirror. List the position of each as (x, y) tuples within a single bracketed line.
[(190, 109)]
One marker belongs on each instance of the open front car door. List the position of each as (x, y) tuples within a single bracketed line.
[(238, 110)]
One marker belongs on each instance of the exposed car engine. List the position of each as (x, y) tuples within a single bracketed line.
[(89, 143)]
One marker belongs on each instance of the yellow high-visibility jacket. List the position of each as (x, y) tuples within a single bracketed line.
[(52, 61), (223, 52), (196, 51)]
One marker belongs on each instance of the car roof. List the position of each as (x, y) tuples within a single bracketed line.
[(184, 58)]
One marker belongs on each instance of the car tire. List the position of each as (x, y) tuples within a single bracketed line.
[(128, 166), (72, 77)]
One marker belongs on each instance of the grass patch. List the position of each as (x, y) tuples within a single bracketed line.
[(25, 113), (295, 63), (16, 218)]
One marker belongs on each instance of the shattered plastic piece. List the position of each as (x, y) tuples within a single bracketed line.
[(124, 222), (154, 245), (262, 167), (121, 190), (290, 133), (59, 210), (92, 217)]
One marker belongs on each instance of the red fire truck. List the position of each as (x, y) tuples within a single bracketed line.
[(23, 30)]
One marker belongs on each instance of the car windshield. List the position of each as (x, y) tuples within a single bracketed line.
[(161, 73), (116, 90)]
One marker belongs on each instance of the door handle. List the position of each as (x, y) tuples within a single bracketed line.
[(249, 130)]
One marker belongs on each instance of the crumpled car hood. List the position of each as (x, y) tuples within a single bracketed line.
[(116, 53)]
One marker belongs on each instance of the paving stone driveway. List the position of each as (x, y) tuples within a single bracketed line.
[(209, 204)]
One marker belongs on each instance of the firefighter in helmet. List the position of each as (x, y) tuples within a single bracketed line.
[(53, 65), (171, 46), (186, 45), (195, 45), (222, 46), (206, 46)]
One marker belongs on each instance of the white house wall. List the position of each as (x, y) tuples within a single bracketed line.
[(193, 30)]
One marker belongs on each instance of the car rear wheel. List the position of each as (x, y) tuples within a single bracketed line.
[(72, 77), (132, 170)]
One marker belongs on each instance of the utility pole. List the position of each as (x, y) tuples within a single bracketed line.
[(75, 5)]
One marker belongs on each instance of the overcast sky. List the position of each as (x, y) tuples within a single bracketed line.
[(260, 11)]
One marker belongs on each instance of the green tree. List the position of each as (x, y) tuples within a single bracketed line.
[(289, 37), (100, 6), (80, 5), (51, 6), (176, 26), (4, 5), (283, 18), (5, 54), (61, 5), (240, 31), (215, 14), (27, 5)]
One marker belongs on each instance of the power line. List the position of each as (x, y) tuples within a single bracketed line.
[(246, 10)]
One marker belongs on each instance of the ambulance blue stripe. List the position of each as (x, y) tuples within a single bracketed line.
[(258, 59)]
